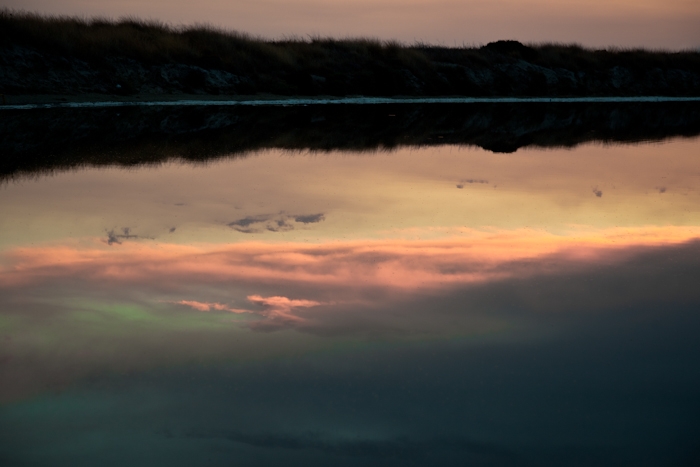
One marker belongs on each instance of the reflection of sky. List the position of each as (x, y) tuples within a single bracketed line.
[(406, 193), (376, 295)]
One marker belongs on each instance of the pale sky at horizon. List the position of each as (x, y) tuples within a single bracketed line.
[(657, 24)]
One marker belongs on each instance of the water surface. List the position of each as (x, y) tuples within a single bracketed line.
[(436, 304)]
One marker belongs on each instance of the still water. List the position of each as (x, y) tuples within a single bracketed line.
[(435, 305)]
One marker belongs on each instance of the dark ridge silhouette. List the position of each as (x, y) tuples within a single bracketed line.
[(44, 140), (74, 56)]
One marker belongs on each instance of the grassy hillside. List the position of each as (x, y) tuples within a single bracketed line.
[(54, 55)]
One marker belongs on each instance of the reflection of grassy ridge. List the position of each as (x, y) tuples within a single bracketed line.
[(132, 56), (40, 141)]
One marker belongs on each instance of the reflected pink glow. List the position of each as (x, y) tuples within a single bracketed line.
[(281, 308), (474, 257), (206, 306), (275, 308)]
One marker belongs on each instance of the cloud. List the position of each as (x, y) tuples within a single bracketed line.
[(597, 192), (281, 222)]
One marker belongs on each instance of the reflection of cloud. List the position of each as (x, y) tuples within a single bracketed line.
[(576, 280), (248, 224), (310, 218), (274, 223), (279, 225), (113, 237), (461, 184), (350, 278), (280, 308), (208, 306), (475, 256), (277, 309)]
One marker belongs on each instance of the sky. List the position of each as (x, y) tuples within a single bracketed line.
[(667, 24)]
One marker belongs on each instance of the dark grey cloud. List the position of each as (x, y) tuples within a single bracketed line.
[(281, 222)]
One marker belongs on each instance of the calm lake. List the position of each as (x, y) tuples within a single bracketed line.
[(380, 286)]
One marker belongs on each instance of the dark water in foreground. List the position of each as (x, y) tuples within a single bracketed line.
[(433, 304)]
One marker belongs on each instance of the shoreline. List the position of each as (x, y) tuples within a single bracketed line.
[(52, 102)]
